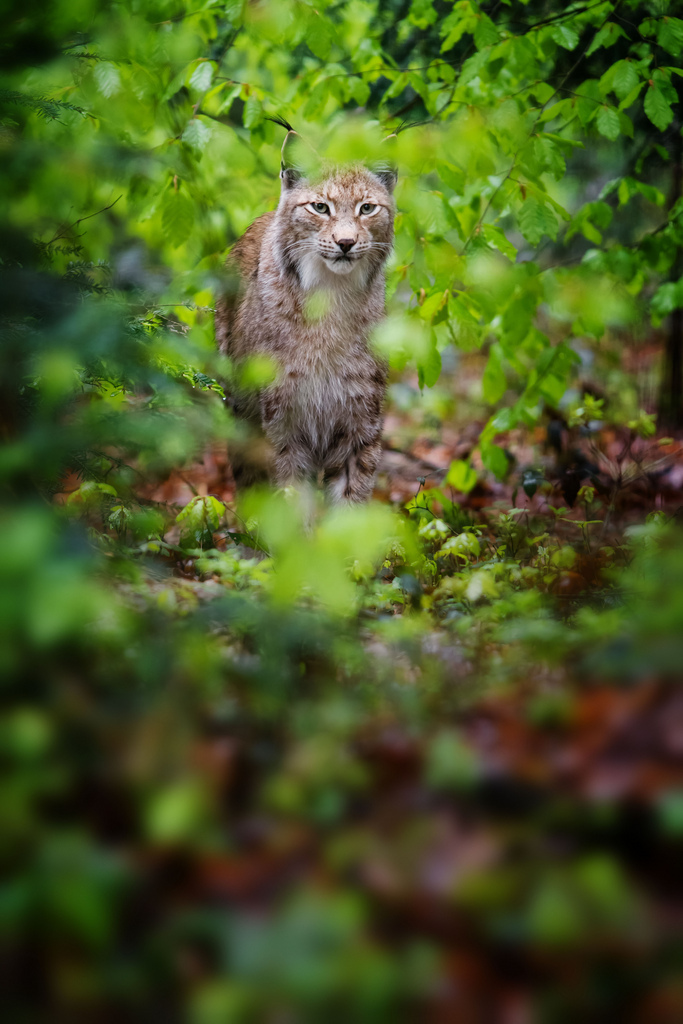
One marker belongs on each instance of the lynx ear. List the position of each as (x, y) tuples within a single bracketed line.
[(388, 177), (290, 177)]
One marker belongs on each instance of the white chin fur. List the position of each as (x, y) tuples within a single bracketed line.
[(316, 272)]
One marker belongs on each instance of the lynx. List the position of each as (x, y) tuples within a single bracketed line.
[(312, 289)]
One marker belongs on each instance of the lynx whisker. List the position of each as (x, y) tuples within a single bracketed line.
[(297, 247)]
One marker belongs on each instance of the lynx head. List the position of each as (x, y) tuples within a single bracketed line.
[(337, 229)]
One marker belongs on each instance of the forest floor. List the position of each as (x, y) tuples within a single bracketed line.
[(524, 819)]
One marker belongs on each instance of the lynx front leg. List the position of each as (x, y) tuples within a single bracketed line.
[(292, 465), (291, 457), (293, 472), (353, 480)]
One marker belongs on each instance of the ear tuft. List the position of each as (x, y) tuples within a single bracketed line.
[(290, 177), (388, 177)]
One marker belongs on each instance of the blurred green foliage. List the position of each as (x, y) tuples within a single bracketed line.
[(243, 778)]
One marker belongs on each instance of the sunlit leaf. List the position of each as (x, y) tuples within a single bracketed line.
[(197, 133), (108, 78), (461, 476)]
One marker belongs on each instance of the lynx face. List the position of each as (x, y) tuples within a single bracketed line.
[(339, 227)]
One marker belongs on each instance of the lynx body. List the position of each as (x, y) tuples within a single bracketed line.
[(312, 289)]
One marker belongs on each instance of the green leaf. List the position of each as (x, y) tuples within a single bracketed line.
[(202, 76), (422, 13), (197, 134), (224, 94), (666, 299), (496, 237), (431, 305), (90, 492), (494, 382), (486, 33), (108, 78), (629, 187), (463, 545), (565, 143), (588, 230), (177, 216), (606, 36), (549, 156), (319, 35), (451, 176), (625, 78), (551, 207), (608, 123), (504, 419), (565, 36), (396, 87), (556, 110), (233, 10), (543, 92), (454, 27), (631, 97), (199, 519), (359, 90), (253, 112), (495, 460), (553, 386), (662, 79), (531, 220), (536, 220), (590, 219), (657, 108), (461, 476), (670, 35), (419, 85), (429, 365), (626, 124), (473, 67)]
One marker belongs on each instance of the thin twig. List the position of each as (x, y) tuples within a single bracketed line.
[(566, 15), (63, 231)]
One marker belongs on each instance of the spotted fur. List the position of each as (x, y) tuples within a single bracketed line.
[(312, 288)]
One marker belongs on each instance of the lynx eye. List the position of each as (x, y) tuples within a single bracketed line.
[(368, 208), (320, 207)]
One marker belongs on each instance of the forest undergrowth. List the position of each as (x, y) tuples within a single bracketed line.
[(445, 789)]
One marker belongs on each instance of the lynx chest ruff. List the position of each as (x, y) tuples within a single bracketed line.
[(312, 290)]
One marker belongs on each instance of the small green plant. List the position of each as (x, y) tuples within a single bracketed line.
[(199, 520)]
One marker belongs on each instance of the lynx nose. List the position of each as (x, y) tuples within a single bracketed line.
[(346, 244)]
